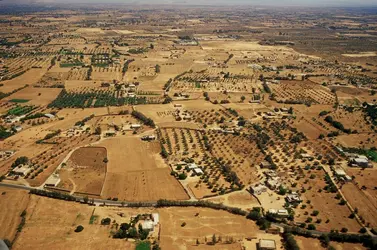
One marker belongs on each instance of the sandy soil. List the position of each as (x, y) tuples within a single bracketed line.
[(37, 96), (135, 169), (313, 244), (31, 77), (12, 203), (204, 225), (364, 199), (50, 224), (85, 170)]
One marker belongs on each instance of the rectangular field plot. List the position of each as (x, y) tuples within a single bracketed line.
[(301, 92), (136, 172)]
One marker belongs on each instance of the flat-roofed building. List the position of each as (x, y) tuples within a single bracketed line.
[(267, 244)]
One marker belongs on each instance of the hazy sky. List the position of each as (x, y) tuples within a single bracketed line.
[(217, 2)]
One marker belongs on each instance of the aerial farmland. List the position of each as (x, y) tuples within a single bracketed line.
[(185, 127)]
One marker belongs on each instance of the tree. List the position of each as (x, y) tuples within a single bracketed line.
[(79, 228), (282, 190), (106, 221), (311, 227), (158, 68), (243, 98), (344, 230), (98, 131), (182, 176), (20, 161), (86, 199), (324, 238), (254, 215), (214, 239), (197, 242)]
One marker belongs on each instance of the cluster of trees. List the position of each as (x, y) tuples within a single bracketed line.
[(20, 161), (83, 121), (371, 111), (364, 239), (4, 133), (337, 125), (229, 58), (128, 230), (86, 99), (256, 215), (138, 50), (168, 85), (140, 116), (290, 242), (49, 136), (56, 195), (126, 65), (33, 116)]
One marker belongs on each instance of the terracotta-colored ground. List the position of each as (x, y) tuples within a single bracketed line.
[(136, 172), (12, 203)]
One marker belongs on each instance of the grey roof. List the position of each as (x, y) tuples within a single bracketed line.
[(3, 246)]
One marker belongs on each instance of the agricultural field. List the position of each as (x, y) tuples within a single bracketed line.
[(226, 124), (54, 223), (301, 92), (14, 202), (363, 186), (85, 171), (131, 174)]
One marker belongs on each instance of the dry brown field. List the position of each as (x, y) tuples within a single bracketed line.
[(242, 199), (12, 203), (51, 223), (31, 77), (204, 225), (45, 163), (367, 140), (37, 96), (324, 202), (302, 91), (362, 193), (135, 168), (314, 244), (85, 171)]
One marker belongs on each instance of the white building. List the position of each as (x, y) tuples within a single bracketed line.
[(53, 181), (258, 189), (198, 171), (267, 244), (147, 225), (133, 126), (21, 170)]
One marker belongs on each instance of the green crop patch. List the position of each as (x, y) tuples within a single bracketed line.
[(19, 100)]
